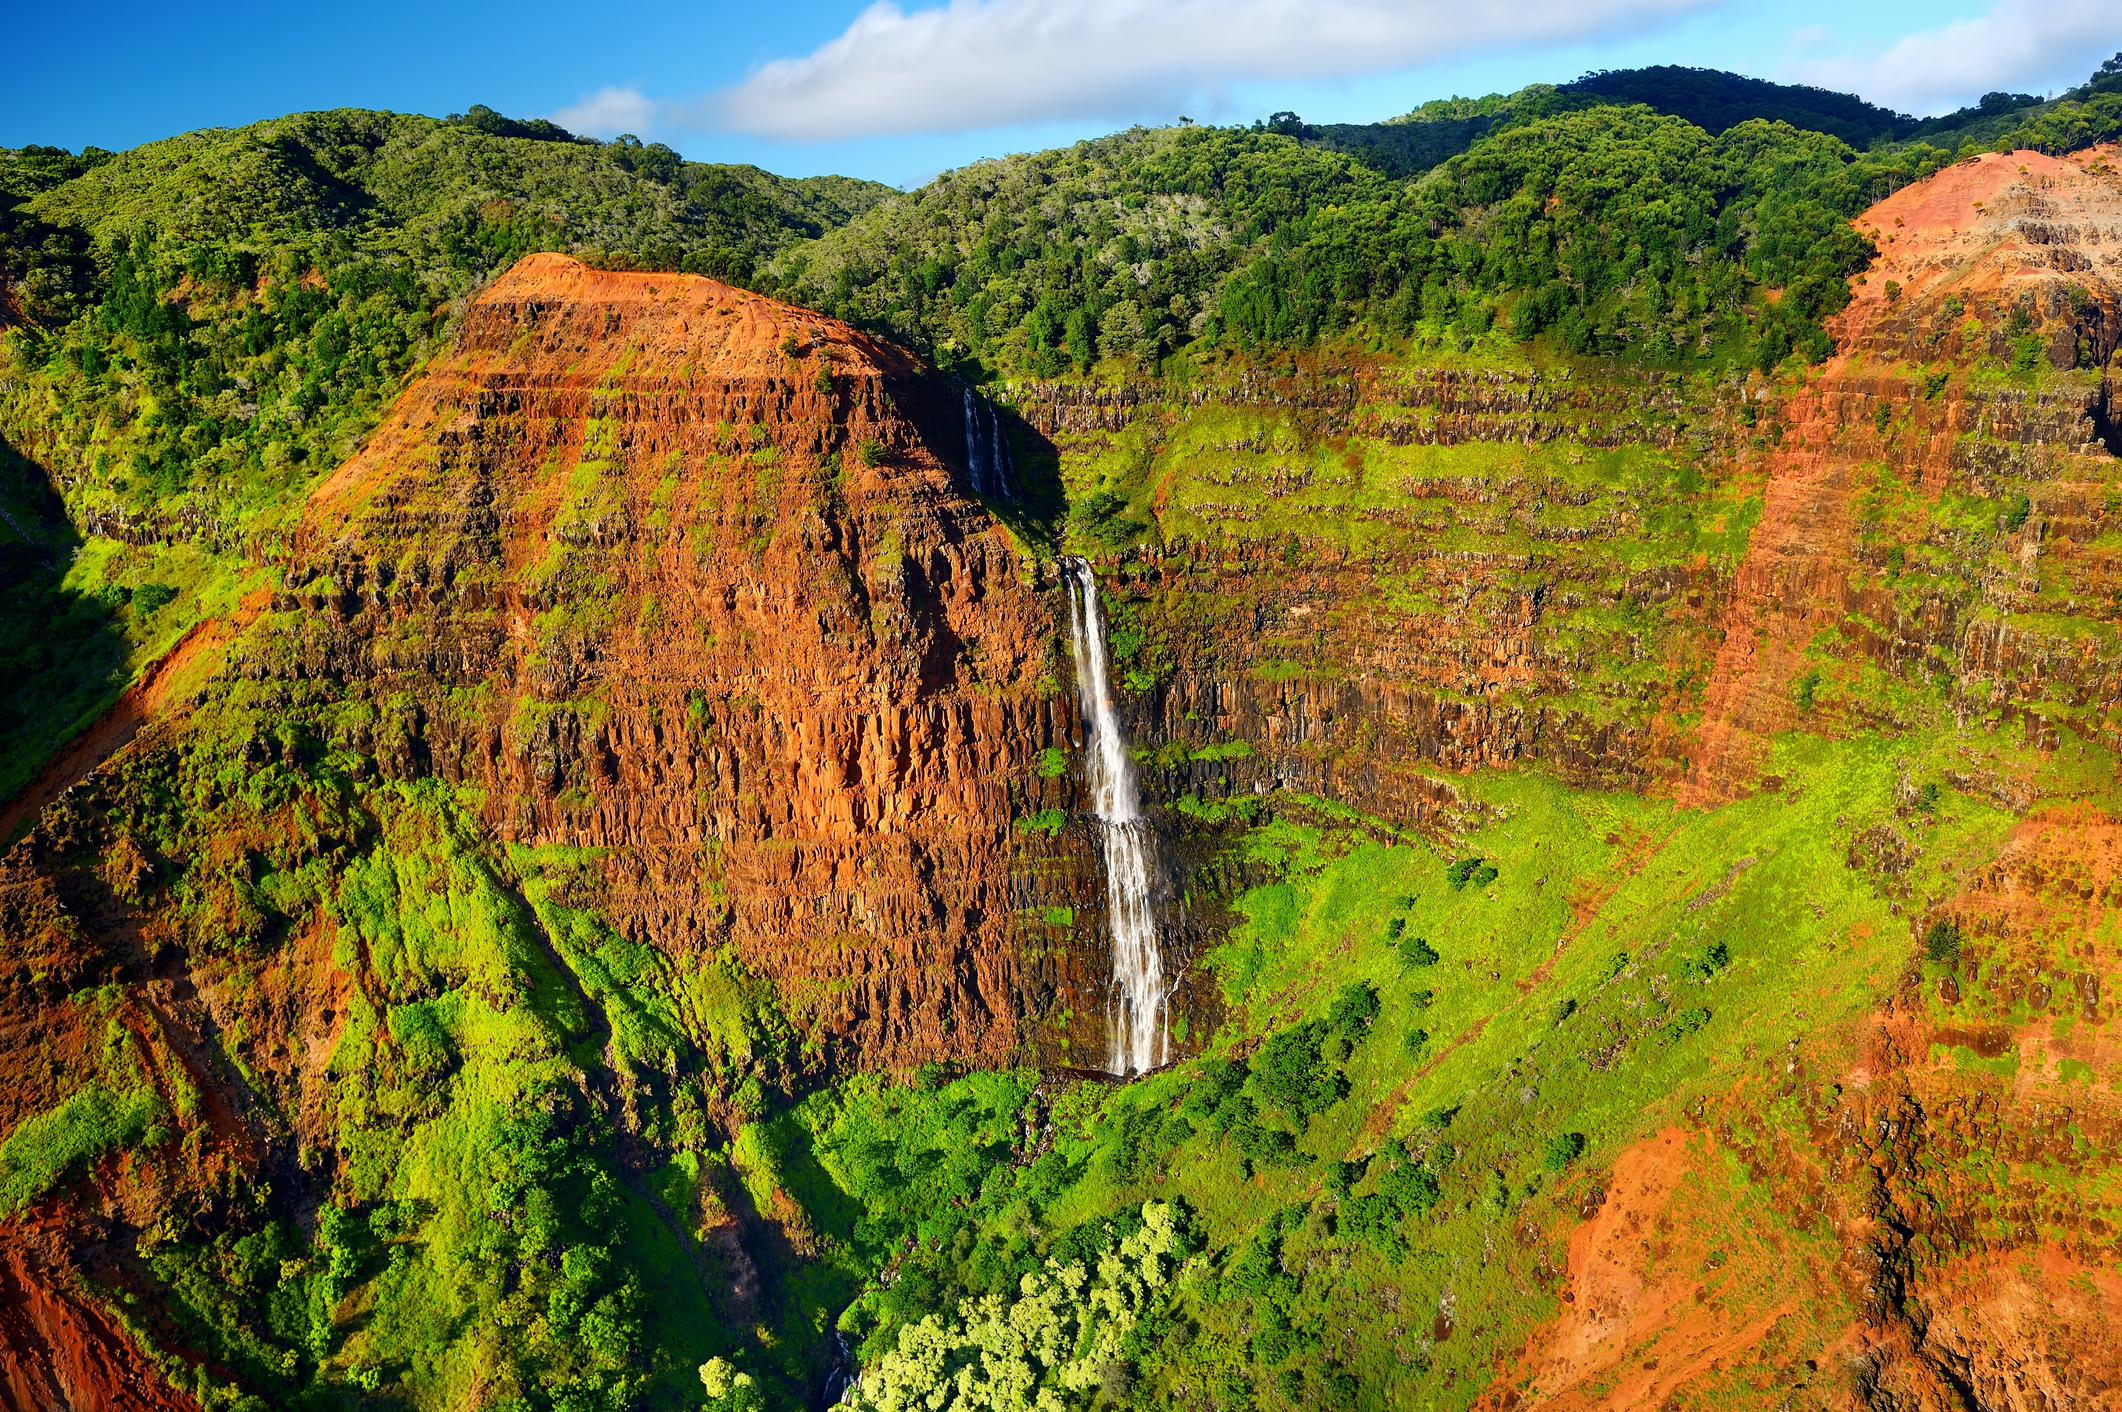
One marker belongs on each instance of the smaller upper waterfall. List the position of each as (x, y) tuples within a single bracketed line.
[(987, 455), (1135, 1016)]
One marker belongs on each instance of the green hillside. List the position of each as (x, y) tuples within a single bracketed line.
[(202, 327), (1619, 231)]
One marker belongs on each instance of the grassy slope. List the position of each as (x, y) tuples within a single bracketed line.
[(1572, 996)]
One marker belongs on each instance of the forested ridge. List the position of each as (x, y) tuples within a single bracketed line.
[(1616, 229), (1613, 227)]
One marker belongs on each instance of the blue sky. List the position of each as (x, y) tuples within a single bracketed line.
[(899, 91)]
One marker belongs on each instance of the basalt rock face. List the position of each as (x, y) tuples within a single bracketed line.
[(1378, 576), (1375, 581), (672, 571), (657, 586), (1857, 555)]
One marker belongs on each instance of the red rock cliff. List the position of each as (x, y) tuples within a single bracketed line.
[(673, 570)]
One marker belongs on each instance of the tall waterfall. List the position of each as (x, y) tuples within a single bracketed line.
[(987, 455), (1135, 1015)]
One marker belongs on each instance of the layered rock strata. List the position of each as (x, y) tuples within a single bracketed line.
[(674, 571)]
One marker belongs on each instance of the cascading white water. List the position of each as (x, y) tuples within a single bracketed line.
[(1135, 1016), (975, 453), (987, 457)]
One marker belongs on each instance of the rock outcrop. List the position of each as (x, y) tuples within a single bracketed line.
[(723, 614)]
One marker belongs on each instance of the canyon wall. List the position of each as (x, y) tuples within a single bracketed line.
[(676, 573), (661, 628)]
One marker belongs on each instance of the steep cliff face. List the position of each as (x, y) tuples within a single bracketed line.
[(639, 720), (674, 572), (1633, 578), (649, 722), (1377, 582), (2007, 257)]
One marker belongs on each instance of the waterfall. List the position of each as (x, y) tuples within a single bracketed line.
[(987, 455), (1135, 1015)]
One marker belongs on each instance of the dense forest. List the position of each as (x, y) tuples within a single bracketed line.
[(1616, 228)]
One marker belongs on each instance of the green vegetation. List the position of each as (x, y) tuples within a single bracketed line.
[(1618, 229), (1063, 1330), (43, 1148), (212, 322), (557, 1169)]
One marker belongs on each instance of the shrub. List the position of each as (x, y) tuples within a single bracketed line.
[(1288, 1072), (1561, 1150), (1354, 1009), (1704, 966), (1411, 1188), (1942, 941), (1276, 1345), (92, 1122), (1414, 951), (1686, 1022), (1266, 1145), (2015, 512), (1047, 821), (729, 1390), (150, 598), (872, 452), (1215, 1082), (1369, 1218), (1467, 872)]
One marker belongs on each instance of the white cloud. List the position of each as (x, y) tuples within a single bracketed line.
[(609, 112), (2019, 44), (991, 63)]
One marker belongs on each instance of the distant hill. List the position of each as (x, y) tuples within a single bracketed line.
[(1717, 101), (1711, 99)]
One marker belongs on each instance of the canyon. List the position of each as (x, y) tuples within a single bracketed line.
[(714, 678)]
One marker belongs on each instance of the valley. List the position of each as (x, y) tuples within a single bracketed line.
[(744, 842)]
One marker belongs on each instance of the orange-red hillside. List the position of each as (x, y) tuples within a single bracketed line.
[(674, 570)]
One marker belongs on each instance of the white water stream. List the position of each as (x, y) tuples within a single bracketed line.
[(1135, 1016)]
